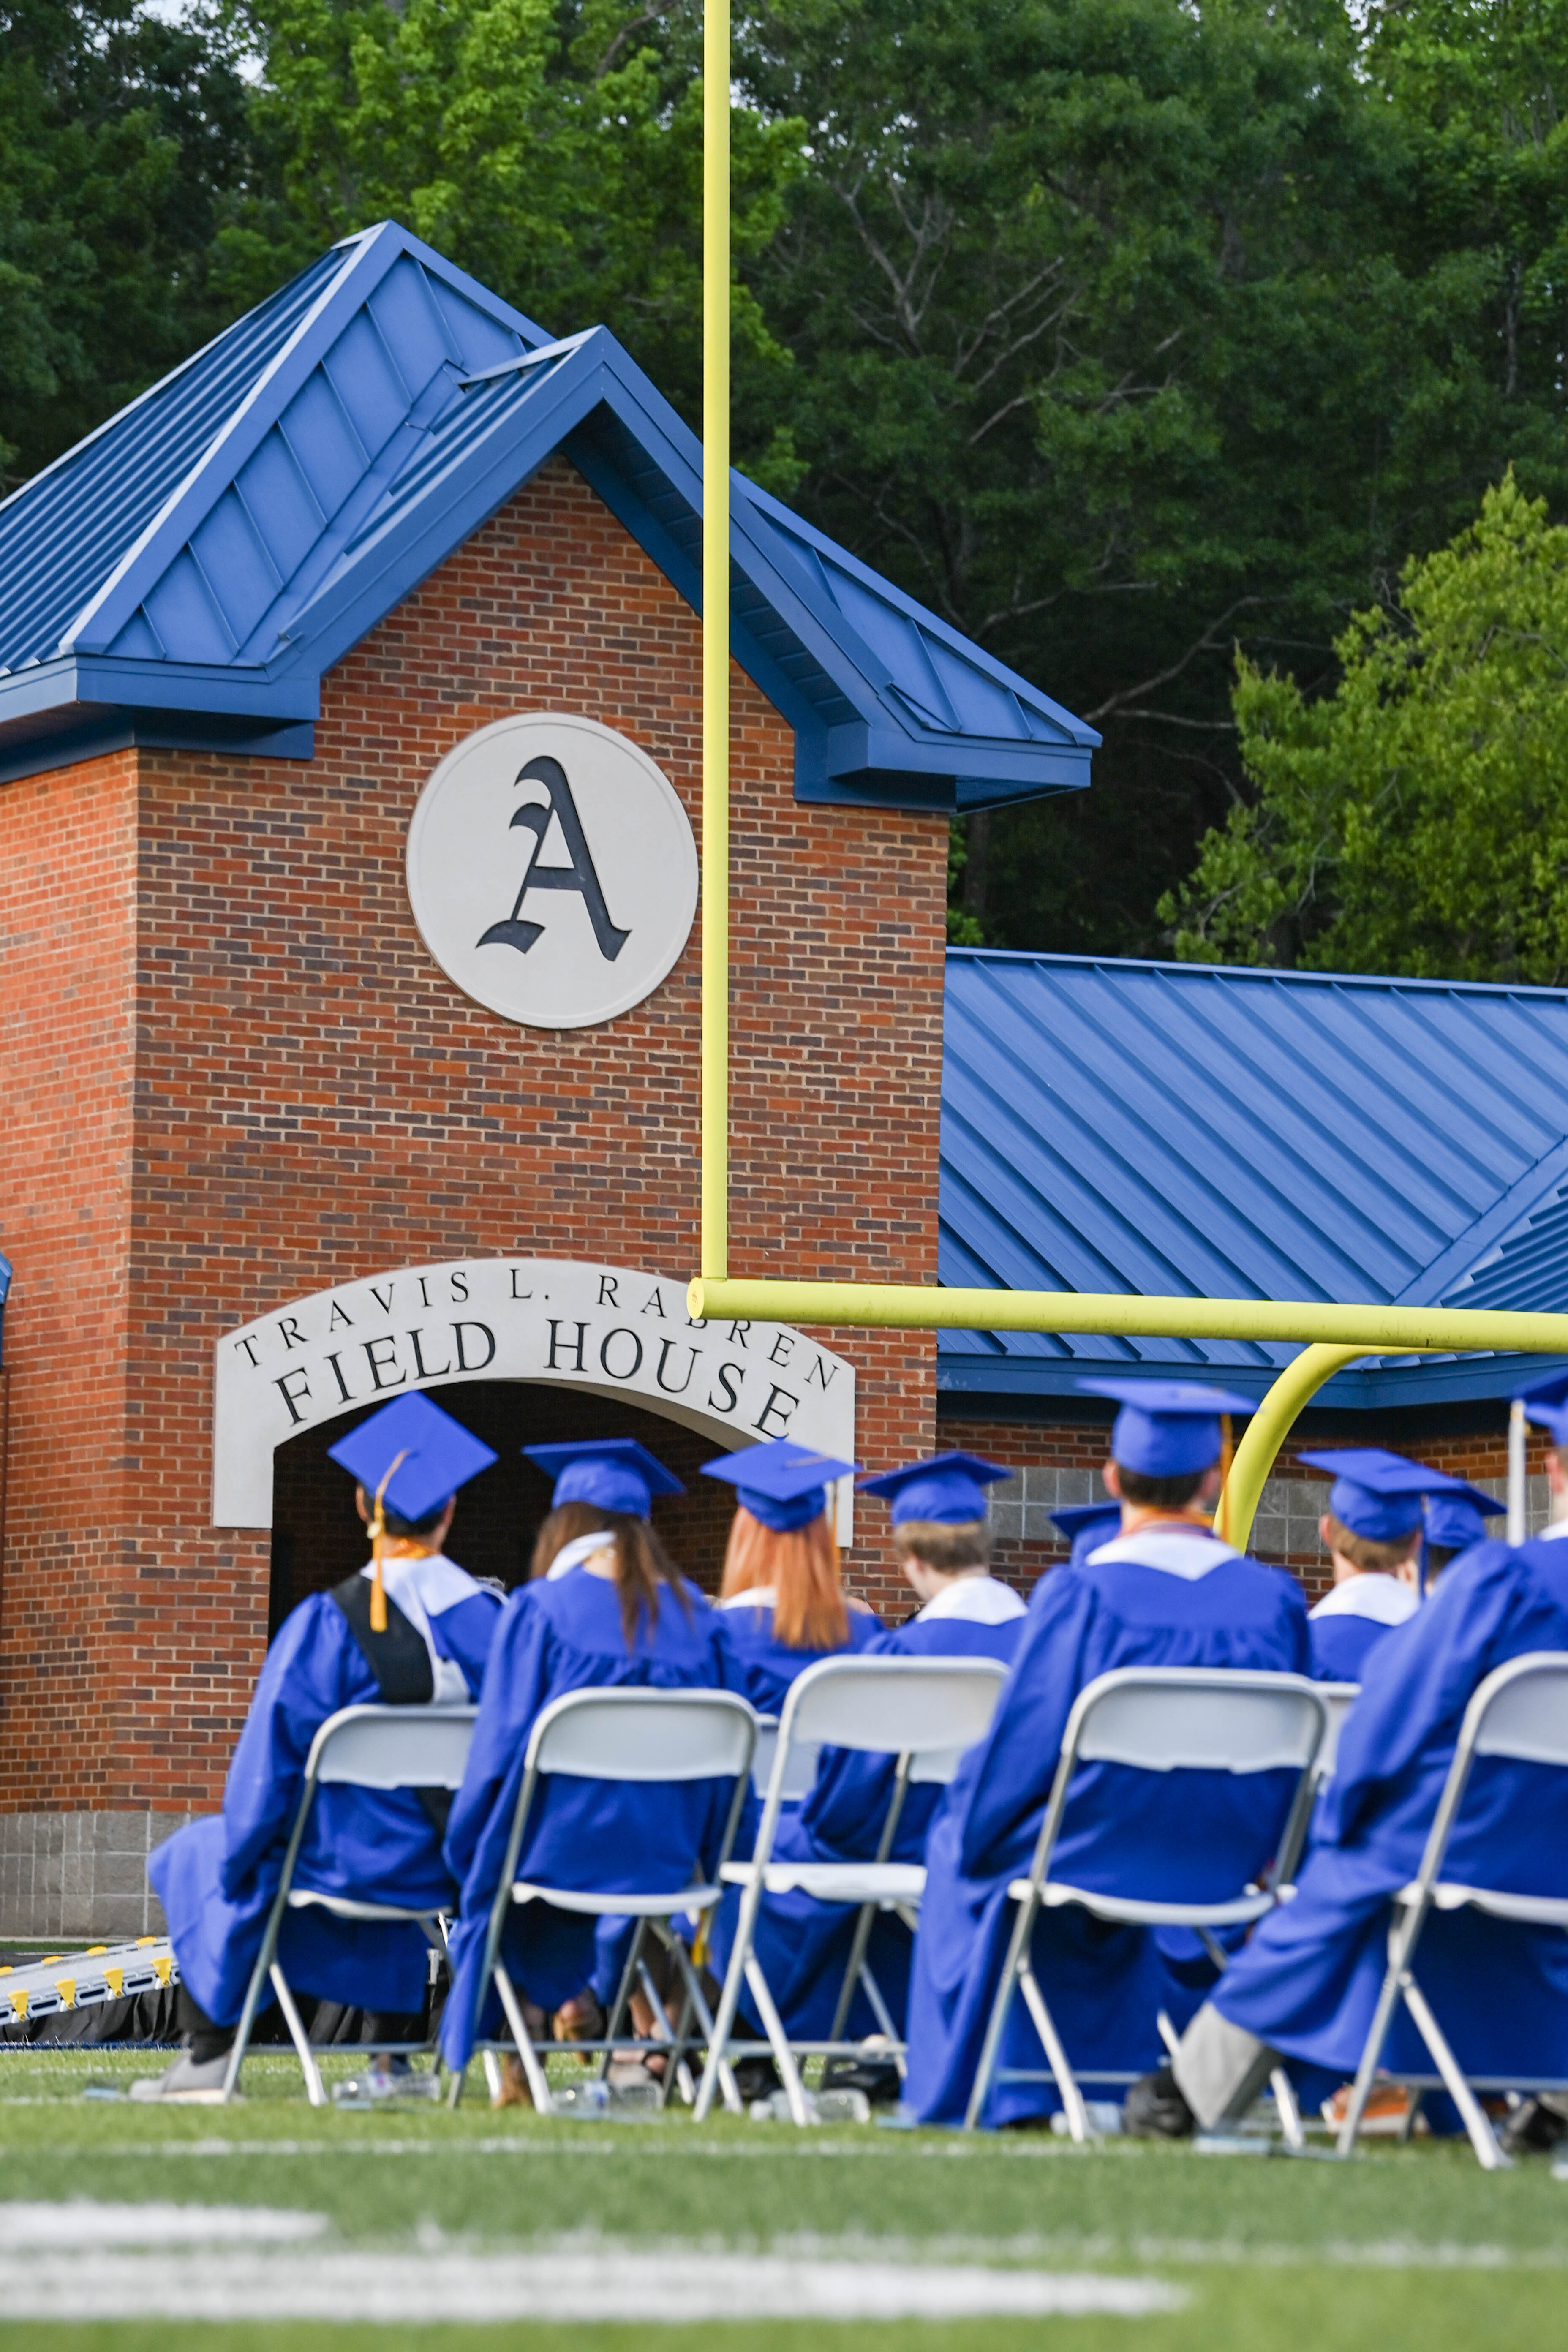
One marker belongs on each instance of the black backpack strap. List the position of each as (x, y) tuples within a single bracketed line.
[(401, 1665)]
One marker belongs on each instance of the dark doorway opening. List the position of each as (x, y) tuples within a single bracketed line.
[(317, 1538)]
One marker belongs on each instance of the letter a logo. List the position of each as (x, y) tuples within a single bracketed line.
[(579, 876)]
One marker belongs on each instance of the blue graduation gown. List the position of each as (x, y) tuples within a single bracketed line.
[(804, 1945), (217, 1879), (1307, 1982), (1348, 1623), (557, 1635), (1181, 1833), (760, 1668)]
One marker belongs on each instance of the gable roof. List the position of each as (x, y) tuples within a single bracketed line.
[(193, 568), (1190, 1130)]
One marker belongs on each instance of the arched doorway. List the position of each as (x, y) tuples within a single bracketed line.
[(317, 1538), (521, 1350)]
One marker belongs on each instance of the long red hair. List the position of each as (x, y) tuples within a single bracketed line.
[(801, 1568)]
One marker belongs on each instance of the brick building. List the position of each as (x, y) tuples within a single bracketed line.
[(266, 1158), (276, 1145)]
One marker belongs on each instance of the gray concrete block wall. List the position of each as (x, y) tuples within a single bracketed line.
[(1021, 1505), (81, 1876)]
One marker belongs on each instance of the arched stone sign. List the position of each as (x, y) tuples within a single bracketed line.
[(599, 1328)]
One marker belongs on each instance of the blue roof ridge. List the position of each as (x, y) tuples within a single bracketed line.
[(1513, 1208), (785, 520), (152, 391), (1391, 980), (372, 253)]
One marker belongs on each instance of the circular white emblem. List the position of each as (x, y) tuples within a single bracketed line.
[(551, 870)]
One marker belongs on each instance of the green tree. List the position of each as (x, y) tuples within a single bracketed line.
[(551, 147), (1414, 820), (1080, 295), (121, 138)]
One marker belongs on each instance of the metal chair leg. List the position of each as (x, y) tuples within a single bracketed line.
[(1007, 1985), (1361, 2090), (537, 2082), (623, 1997), (778, 2041), (1284, 2092), (1477, 2123), (730, 1998), (726, 2073), (1073, 2105), (315, 2089)]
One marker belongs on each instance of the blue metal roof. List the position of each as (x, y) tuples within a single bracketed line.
[(193, 570), (1193, 1131)]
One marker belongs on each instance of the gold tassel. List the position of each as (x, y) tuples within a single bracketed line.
[(1222, 1514), (377, 1536)]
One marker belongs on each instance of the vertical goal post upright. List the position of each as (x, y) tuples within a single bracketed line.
[(1332, 1335)]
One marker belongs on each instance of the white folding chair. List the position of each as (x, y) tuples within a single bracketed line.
[(912, 1709), (1520, 1711), (1163, 1719), (384, 1747), (1341, 1698), (623, 1735)]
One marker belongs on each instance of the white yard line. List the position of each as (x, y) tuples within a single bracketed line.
[(86, 2223), (620, 2285)]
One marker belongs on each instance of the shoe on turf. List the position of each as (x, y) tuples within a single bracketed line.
[(1155, 2109), (1534, 2128), (877, 2078), (199, 2081), (1386, 2115), (757, 2078)]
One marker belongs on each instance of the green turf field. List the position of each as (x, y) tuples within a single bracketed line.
[(1405, 2247)]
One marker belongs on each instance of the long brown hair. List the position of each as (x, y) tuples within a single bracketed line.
[(802, 1566), (642, 1563)]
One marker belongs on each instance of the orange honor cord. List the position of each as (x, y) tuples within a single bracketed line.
[(377, 1536)]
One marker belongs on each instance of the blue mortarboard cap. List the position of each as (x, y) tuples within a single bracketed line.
[(1167, 1428), (612, 1473), (783, 1485), (1458, 1518), (1377, 1494), (1551, 1413), (1087, 1525), (439, 1455), (948, 1488)]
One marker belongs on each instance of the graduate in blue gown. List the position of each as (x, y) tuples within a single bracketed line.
[(1165, 1593), (1453, 1522), (217, 1879), (1307, 1984), (605, 1608), (944, 1543), (1371, 1531), (1085, 1526), (781, 1602)]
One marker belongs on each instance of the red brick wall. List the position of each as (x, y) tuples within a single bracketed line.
[(1062, 1459), (67, 864), (315, 1100)]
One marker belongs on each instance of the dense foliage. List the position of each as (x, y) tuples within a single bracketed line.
[(1127, 333), (1414, 820)]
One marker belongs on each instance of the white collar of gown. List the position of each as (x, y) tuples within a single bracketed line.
[(423, 1588), (1177, 1551), (581, 1547), (979, 1600), (1382, 1597)]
